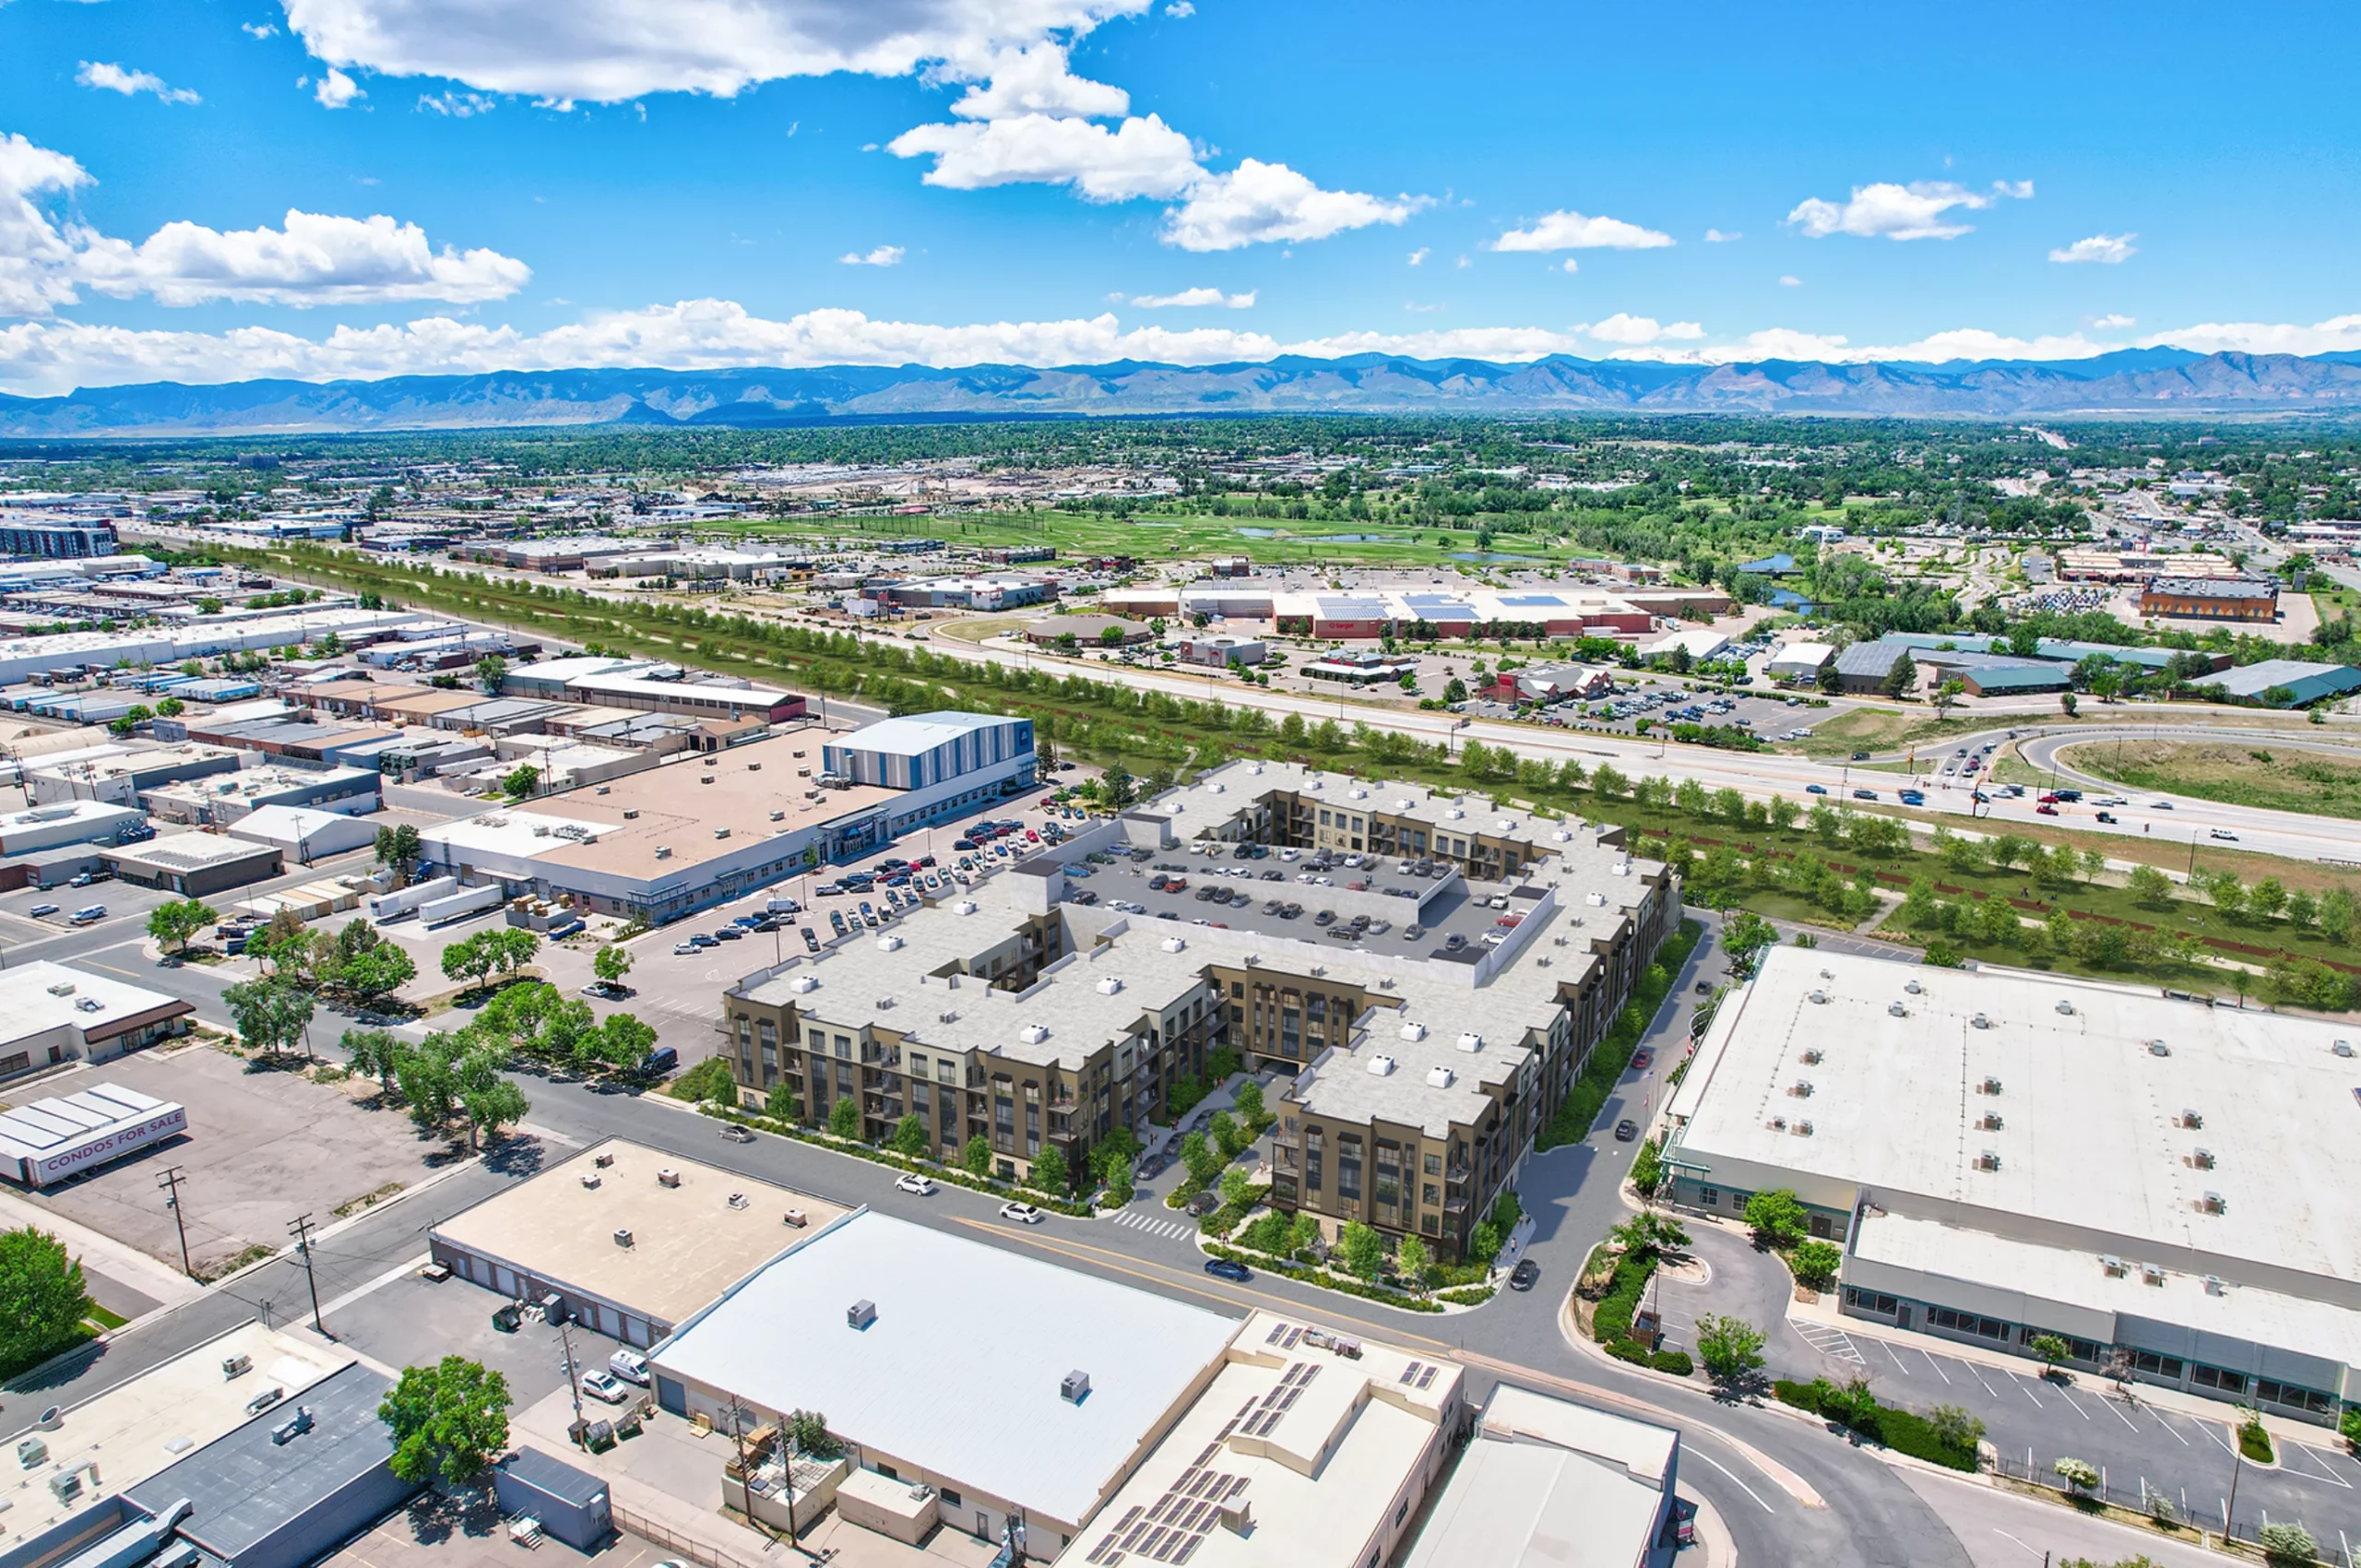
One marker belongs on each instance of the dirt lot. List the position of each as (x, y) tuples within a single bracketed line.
[(2243, 773), (263, 1147)]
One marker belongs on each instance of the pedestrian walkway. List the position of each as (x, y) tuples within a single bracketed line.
[(1828, 1341), (1154, 1224)]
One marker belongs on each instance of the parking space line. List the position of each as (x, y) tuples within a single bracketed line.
[(2120, 1416), (2076, 1403), (1937, 1366), (2217, 1436), (1891, 1356), (1978, 1377), (2029, 1394), (2326, 1474), (2168, 1425)]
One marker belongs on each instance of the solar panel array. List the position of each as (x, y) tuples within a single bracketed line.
[(1171, 1528), (1281, 1399), (1287, 1335)]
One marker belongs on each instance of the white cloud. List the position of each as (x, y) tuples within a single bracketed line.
[(335, 89), (884, 255), (1035, 79), (1914, 211), (460, 105), (565, 50), (1190, 298), (1570, 264), (1258, 202), (1462, 261), (2107, 250), (1139, 158), (1573, 231), (258, 30), (316, 260), (2337, 335), (1716, 237), (99, 73), (1789, 281), (1418, 257), (2115, 323), (1181, 9), (1635, 330)]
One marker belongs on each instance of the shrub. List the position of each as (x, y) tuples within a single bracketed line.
[(2253, 1442), (1946, 1435), (1731, 1347), (1816, 1264), (2080, 1475), (1612, 1319), (2288, 1543), (1777, 1218), (1676, 1362), (1630, 1350)]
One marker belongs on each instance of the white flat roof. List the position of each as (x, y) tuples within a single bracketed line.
[(50, 1127), (959, 1373), (918, 734), (40, 996), (2092, 1132)]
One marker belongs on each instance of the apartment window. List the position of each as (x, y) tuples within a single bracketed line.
[(945, 1070), (1430, 1224), (768, 1031), (1311, 1156), (1348, 1168), (1430, 1194), (918, 1095), (844, 1045), (1238, 988), (1434, 1166), (918, 1067), (745, 1036)]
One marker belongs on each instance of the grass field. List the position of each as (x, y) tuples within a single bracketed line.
[(1885, 729), (2284, 779)]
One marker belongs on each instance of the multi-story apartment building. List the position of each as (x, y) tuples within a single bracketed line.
[(1471, 958)]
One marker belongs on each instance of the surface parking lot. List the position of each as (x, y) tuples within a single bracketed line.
[(1662, 703)]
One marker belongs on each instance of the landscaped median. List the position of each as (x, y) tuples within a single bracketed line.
[(949, 1174), (1946, 1435)]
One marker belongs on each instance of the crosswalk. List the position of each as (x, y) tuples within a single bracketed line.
[(1832, 1342), (1139, 1220)]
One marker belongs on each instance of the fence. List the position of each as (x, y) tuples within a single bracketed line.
[(2202, 1514), (703, 1553)]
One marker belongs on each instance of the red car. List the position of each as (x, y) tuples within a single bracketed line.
[(2049, 800), (2045, 811), (1640, 1060)]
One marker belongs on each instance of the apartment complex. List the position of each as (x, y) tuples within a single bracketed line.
[(1433, 988), (2211, 598)]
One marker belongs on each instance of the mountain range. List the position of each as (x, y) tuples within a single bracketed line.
[(2132, 382)]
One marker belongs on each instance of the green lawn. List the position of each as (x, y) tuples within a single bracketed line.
[(2285, 779)]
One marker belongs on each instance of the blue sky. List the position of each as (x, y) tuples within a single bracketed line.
[(219, 189)]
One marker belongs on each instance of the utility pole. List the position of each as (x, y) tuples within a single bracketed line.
[(573, 1375), (170, 1183), (302, 1232)]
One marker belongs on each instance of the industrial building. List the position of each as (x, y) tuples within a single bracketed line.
[(194, 864), (23, 658), (925, 750), (1432, 1022), (2284, 683), (217, 799), (1548, 1481), (1418, 611), (1799, 662), (650, 688), (864, 1319), (119, 776), (632, 1239), (50, 1013), (303, 834), (67, 822), (2006, 1155), (2211, 598)]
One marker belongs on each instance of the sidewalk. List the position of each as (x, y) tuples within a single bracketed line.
[(117, 1259)]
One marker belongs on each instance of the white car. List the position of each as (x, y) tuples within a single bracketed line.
[(606, 1386), (912, 1183), (629, 1365), (683, 949), (1024, 1214)]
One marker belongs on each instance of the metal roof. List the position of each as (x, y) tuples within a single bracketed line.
[(918, 733)]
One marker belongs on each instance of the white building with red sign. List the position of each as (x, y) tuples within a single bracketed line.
[(50, 1140)]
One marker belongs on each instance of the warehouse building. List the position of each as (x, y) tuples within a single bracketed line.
[(302, 834), (193, 865), (1546, 1481), (2211, 598), (68, 822), (865, 1319), (220, 798), (50, 1013), (1799, 662), (633, 1241), (23, 658), (119, 776), (2284, 683), (650, 688), (2007, 1155), (991, 755)]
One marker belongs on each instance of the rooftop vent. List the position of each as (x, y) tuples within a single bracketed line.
[(1414, 1032), (861, 1314), (1075, 1387), (667, 1177), (1439, 1077), (1913, 986), (2065, 1006), (2201, 1158), (2114, 1265), (2152, 1273), (1109, 985), (2192, 1118), (2212, 1203), (1990, 1085), (2158, 1047), (1990, 1121), (1380, 1066), (1803, 1129), (1988, 1160), (1981, 1022), (1471, 1040), (2214, 1284), (1896, 1009), (1034, 1034), (1800, 1089), (623, 1238), (1819, 998), (2343, 1048), (1813, 1056)]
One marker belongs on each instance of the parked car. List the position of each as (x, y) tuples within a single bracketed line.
[(915, 1185), (663, 1059), (629, 1365), (730, 934), (606, 1386), (37, 910), (1524, 1275), (1024, 1214), (1641, 1059), (736, 1134), (1626, 1130), (1223, 1268), (91, 914)]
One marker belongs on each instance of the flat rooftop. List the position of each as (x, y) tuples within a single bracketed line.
[(41, 996), (1548, 1481), (959, 1373), (688, 1244), (2093, 1133), (146, 1424), (1316, 1446)]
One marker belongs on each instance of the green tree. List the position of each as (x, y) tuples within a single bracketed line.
[(490, 1100), (1730, 1347), (2150, 886), (610, 964), (1363, 1249), (43, 1299), (976, 1158), (1777, 1218), (1900, 677), (428, 1084), (1051, 1173), (2336, 915), (511, 947), (2067, 704), (1816, 1263), (2050, 1350), (471, 958), (909, 1137), (1411, 1262), (844, 1117), (373, 1053), (2267, 899), (448, 1421), (1248, 1103), (1235, 1186), (1198, 1158), (520, 782), (2286, 1543), (491, 669), (271, 1015), (1229, 1138), (177, 919), (783, 1104), (1647, 1170), (1955, 1428), (397, 849), (171, 707), (376, 972), (1118, 787)]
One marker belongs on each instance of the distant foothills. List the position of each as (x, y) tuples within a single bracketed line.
[(2161, 382)]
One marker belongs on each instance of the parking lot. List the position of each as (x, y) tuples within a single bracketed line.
[(1660, 703), (263, 1147)]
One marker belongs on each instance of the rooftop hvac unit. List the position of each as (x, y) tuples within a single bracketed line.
[(89, 1003), (889, 943), (1981, 1022), (1897, 1010), (2343, 1048), (2203, 1159), (721, 832), (1075, 1387), (1034, 1034), (2215, 1286), (779, 816), (1913, 986), (2152, 1273), (2192, 1118), (2113, 1265), (1990, 1121), (1778, 1124), (1988, 1160), (2158, 1047), (1380, 1066), (1813, 1056), (667, 1177), (1439, 1077), (2065, 1006), (623, 1237), (2212, 1203), (591, 1179), (1990, 1085), (1471, 1041), (1819, 998), (663, 851), (631, 814), (601, 790), (803, 983), (861, 1314), (1595, 900), (704, 778), (1800, 1089), (1414, 1032), (1803, 1129), (964, 907), (1108, 985), (63, 988), (1173, 944), (753, 768)]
